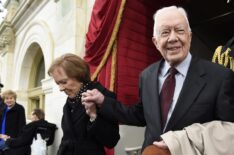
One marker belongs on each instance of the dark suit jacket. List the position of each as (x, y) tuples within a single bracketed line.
[(207, 94)]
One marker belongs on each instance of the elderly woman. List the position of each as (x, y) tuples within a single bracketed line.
[(82, 135), (12, 116)]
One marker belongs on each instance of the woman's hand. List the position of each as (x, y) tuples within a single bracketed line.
[(4, 137)]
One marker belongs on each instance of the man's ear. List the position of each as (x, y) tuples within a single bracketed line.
[(154, 40), (191, 34)]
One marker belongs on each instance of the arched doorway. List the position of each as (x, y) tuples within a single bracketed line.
[(36, 72)]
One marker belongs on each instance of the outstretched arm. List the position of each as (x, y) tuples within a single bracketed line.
[(113, 110)]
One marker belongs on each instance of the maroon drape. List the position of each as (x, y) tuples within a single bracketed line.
[(101, 25), (135, 47)]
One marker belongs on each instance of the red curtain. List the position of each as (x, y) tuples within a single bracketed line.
[(99, 39), (135, 47)]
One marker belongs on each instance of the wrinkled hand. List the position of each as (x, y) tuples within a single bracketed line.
[(91, 109), (93, 96), (161, 144), (91, 99)]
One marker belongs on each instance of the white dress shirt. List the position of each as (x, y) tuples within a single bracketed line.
[(182, 69)]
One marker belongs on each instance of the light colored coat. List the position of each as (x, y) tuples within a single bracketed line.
[(213, 138)]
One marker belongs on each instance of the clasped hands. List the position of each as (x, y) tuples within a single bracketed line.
[(91, 99)]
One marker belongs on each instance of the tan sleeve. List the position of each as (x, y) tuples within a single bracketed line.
[(213, 138), (178, 143)]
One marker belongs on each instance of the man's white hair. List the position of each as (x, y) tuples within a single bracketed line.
[(168, 9)]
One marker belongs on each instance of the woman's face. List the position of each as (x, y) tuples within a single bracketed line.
[(70, 86), (9, 101), (34, 118)]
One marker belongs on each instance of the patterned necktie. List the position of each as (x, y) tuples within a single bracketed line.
[(167, 93)]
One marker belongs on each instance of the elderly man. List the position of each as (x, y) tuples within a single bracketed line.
[(175, 92)]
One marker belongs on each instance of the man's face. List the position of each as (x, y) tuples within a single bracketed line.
[(70, 86), (173, 37)]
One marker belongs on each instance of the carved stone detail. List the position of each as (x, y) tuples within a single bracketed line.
[(7, 37)]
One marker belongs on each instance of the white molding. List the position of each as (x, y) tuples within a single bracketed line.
[(47, 85), (26, 12)]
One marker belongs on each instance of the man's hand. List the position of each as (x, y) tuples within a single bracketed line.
[(93, 96), (91, 109), (90, 99), (161, 144)]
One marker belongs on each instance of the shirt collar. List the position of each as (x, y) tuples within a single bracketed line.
[(182, 68)]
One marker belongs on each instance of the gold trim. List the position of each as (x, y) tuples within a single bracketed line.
[(113, 67), (217, 54), (223, 58)]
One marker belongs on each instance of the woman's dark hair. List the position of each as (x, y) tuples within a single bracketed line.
[(39, 113)]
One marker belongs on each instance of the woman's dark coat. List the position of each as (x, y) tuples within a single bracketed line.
[(21, 144), (15, 120), (80, 136)]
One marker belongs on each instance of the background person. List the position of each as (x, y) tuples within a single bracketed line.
[(29, 131), (81, 134), (12, 117), (203, 91)]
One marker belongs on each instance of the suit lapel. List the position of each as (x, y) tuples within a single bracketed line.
[(153, 96), (192, 86)]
